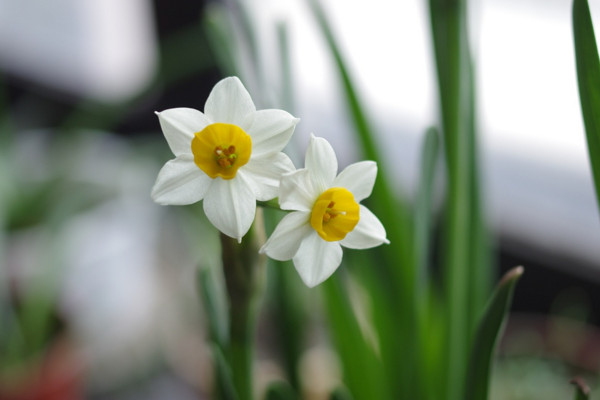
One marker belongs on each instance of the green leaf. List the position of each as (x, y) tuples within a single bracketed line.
[(225, 386), (280, 391), (466, 254), (423, 204), (289, 307), (362, 370), (588, 77), (484, 344), (214, 307), (582, 390), (340, 393)]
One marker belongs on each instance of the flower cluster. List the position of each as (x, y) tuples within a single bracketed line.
[(230, 156)]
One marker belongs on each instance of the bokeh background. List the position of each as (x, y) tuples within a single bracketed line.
[(98, 289)]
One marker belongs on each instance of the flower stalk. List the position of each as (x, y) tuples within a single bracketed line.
[(244, 271)]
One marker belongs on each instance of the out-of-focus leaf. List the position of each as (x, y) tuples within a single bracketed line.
[(288, 307), (423, 206), (363, 372), (340, 393), (217, 318), (582, 390), (287, 90), (466, 266), (588, 77), (220, 39), (427, 329), (280, 391), (225, 387), (490, 327)]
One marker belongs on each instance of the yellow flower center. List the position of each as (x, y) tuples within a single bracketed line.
[(334, 214), (220, 149)]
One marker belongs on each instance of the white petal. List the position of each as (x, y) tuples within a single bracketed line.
[(179, 126), (229, 102), (180, 182), (283, 244), (358, 178), (317, 259), (230, 205), (369, 232), (271, 131), (297, 191), (265, 174), (321, 162)]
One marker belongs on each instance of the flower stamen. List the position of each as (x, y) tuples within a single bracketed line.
[(225, 157), (334, 214), (221, 149), (331, 212)]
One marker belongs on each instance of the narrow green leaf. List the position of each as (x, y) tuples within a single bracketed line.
[(214, 307), (340, 393), (220, 39), (363, 372), (285, 61), (427, 367), (588, 77), (280, 391), (225, 387), (582, 390), (289, 307), (466, 263), (484, 344), (423, 206)]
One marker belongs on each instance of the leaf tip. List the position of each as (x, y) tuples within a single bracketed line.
[(512, 275), (580, 384)]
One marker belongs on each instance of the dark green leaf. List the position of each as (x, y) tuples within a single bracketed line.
[(213, 305), (225, 387), (363, 372), (484, 344), (423, 204), (340, 394), (588, 77), (280, 391), (466, 265)]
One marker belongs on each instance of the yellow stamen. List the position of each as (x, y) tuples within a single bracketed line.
[(221, 149), (334, 214)]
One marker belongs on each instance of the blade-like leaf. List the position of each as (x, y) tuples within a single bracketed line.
[(340, 394), (214, 308), (225, 386), (423, 206), (588, 77), (466, 266), (582, 390), (363, 372), (280, 391), (490, 327)]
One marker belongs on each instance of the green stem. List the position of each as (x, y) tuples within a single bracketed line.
[(243, 269)]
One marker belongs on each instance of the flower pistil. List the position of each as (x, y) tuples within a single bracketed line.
[(221, 149), (334, 214)]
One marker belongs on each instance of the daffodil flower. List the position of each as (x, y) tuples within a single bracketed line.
[(229, 156), (326, 214)]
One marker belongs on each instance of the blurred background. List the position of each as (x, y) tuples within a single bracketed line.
[(97, 283)]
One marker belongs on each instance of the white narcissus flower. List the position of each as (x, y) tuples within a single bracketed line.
[(326, 214), (229, 156)]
